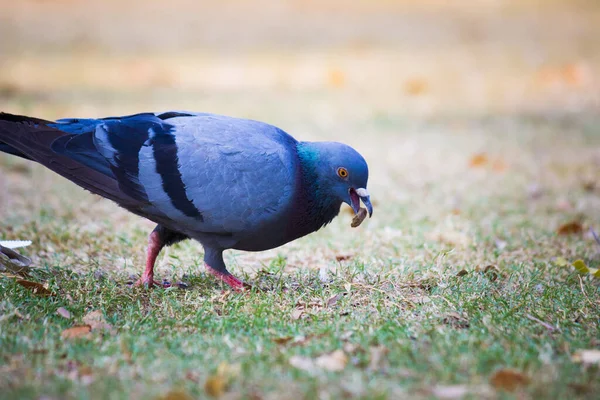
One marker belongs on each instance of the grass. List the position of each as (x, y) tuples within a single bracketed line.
[(451, 331), (481, 145), (403, 292)]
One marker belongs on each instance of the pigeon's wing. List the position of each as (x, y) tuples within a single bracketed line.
[(70, 154), (191, 172), (238, 174)]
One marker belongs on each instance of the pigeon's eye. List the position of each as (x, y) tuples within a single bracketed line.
[(342, 172)]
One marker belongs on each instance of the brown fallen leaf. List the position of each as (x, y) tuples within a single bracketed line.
[(335, 361), (63, 312), (176, 395), (416, 86), (478, 160), (283, 339), (570, 228), (587, 357), (35, 287), (334, 299), (76, 332), (343, 257), (462, 272), (589, 185), (297, 314), (336, 78), (95, 319), (359, 218), (491, 272), (296, 340), (508, 380), (215, 385)]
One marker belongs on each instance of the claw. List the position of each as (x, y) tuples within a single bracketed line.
[(149, 282), (229, 279)]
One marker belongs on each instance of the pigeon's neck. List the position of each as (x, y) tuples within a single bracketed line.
[(316, 206)]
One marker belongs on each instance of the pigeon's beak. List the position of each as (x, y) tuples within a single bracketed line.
[(356, 195)]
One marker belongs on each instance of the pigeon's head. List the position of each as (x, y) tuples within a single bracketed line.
[(344, 173)]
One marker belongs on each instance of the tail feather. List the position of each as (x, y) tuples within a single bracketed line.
[(32, 138), (4, 148)]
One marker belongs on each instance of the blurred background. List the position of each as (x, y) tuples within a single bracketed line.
[(76, 57), (467, 111)]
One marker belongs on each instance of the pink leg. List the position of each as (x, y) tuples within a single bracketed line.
[(154, 247), (229, 279)]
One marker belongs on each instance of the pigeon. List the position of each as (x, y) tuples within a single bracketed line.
[(226, 182)]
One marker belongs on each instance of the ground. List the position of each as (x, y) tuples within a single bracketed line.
[(480, 126)]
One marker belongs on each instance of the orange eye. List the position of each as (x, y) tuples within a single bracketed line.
[(342, 172)]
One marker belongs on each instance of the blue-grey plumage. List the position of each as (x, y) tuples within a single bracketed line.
[(226, 182)]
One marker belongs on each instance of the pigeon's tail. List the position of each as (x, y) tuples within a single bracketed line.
[(39, 140), (10, 118)]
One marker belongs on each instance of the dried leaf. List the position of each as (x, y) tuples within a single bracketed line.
[(35, 287), (334, 299), (589, 185), (492, 272), (63, 312), (335, 361), (478, 160), (176, 395), (416, 86), (215, 385), (570, 228), (297, 314), (359, 218), (587, 357), (581, 267), (508, 379), (584, 269), (343, 257), (336, 78), (76, 332), (95, 319), (283, 340)]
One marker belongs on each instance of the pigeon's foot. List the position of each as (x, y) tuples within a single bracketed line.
[(229, 279), (149, 282), (155, 245)]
